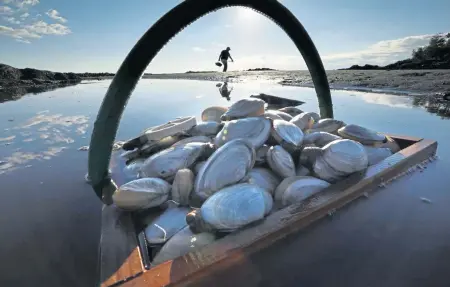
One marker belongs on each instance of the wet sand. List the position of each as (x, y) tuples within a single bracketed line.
[(398, 81)]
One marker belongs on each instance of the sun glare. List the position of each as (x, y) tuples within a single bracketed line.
[(247, 14)]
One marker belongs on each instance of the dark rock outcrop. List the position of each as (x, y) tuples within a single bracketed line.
[(11, 77)]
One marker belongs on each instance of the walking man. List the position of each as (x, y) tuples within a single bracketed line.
[(223, 57)]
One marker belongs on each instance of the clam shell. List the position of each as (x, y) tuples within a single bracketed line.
[(196, 223), (293, 111), (302, 170), (198, 166), (298, 188), (205, 129), (244, 108), (278, 115), (133, 168), (340, 158), (228, 165), (166, 163), (309, 155), (304, 121), (236, 206), (315, 116), (327, 125), (141, 194), (166, 225), (261, 155), (182, 186), (264, 178), (256, 130), (287, 134), (391, 144), (152, 147), (280, 161), (199, 139), (319, 139), (182, 243), (272, 115), (213, 114), (361, 134), (377, 154)]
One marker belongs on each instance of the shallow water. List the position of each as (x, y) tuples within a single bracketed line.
[(50, 218)]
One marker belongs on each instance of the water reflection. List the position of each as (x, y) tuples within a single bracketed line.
[(14, 93), (49, 135), (434, 105), (224, 90)]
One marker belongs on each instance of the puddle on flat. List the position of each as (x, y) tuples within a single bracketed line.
[(49, 213)]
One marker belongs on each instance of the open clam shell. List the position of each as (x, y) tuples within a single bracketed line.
[(166, 225), (293, 111), (340, 158), (304, 121), (166, 163), (244, 108), (236, 206), (181, 243), (319, 139), (287, 134), (213, 114), (182, 186), (255, 129), (327, 125), (205, 129), (228, 165), (361, 134), (280, 161), (264, 178), (298, 188), (141, 194)]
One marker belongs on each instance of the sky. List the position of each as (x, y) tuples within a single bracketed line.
[(96, 36)]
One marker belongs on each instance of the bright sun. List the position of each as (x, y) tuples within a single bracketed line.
[(247, 14)]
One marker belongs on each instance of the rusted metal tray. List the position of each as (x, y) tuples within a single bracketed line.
[(124, 261)]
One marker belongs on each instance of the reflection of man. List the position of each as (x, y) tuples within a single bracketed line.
[(224, 91), (223, 57)]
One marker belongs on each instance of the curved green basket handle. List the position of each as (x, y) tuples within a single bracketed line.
[(134, 65)]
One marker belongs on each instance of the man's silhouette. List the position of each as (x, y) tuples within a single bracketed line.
[(223, 57)]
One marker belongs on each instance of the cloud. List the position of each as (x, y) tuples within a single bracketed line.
[(19, 33), (383, 52), (5, 10), (22, 3), (43, 28), (11, 20), (23, 41), (24, 15), (55, 15), (34, 31), (198, 49)]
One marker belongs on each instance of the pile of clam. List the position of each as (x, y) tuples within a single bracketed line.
[(235, 168)]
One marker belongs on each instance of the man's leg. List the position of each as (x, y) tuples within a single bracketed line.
[(225, 65)]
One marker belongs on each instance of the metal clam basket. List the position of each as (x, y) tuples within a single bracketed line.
[(122, 259)]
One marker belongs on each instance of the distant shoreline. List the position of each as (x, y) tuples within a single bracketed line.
[(17, 81)]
